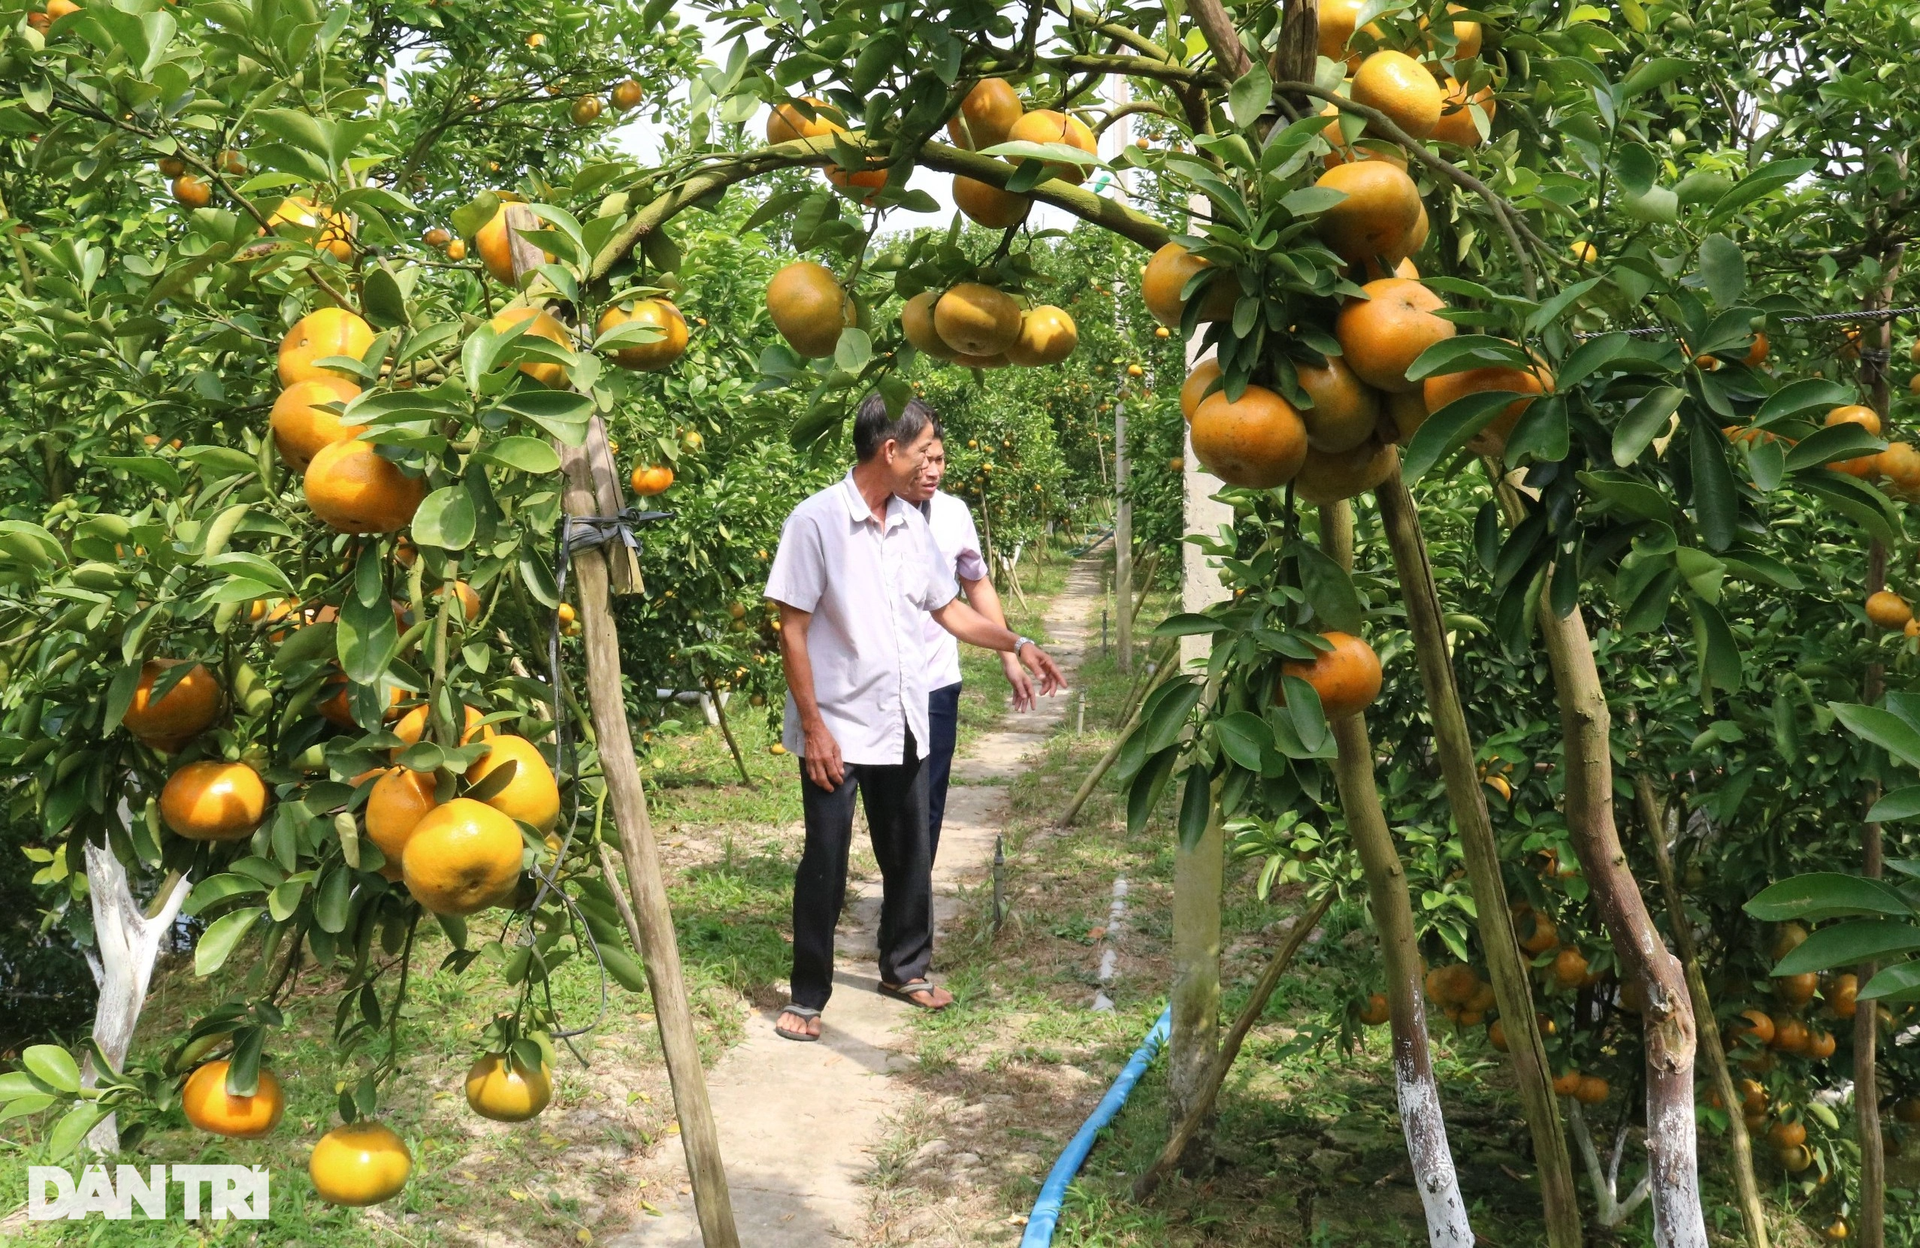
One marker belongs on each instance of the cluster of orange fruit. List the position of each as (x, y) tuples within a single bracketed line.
[(992, 114), (977, 326), (586, 109), (1461, 994)]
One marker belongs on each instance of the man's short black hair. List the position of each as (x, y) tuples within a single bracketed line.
[(873, 428)]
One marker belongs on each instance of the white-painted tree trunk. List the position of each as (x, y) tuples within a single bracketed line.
[(127, 943), (1608, 1209), (1425, 1129)]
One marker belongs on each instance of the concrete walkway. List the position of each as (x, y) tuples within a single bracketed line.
[(799, 1122)]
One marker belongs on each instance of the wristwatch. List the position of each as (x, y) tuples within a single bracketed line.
[(1019, 642)]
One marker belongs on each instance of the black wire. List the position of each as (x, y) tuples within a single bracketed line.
[(1879, 314)]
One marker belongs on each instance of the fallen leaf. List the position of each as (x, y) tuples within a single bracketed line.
[(517, 1195)]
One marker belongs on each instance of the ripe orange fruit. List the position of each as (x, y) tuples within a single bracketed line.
[(1406, 413), (192, 191), (1820, 1045), (1585, 252), (986, 116), (1497, 1036), (334, 707), (468, 598), (531, 796), (1786, 1134), (352, 489), (1492, 439), (413, 725), (1376, 1011), (462, 857), (1047, 336), (400, 799), (1790, 1035), (333, 231), (1344, 412), (1593, 1090), (182, 713), (457, 249), (1378, 215), (1836, 1230), (1329, 476), (787, 123), (651, 480), (809, 308), (1888, 610), (1795, 990), (1570, 968), (495, 243), (1259, 441), (974, 319), (1166, 276), (1044, 125), (1536, 932), (1400, 87), (626, 94), (648, 357), (1899, 464), (208, 1105), (1194, 389), (543, 324), (506, 1092), (1457, 125), (319, 334), (213, 801), (1841, 995), (1347, 678), (1338, 20), (1794, 1159), (301, 424), (585, 110), (1855, 414), (916, 323), (171, 166), (361, 1163), (988, 205), (1753, 1024), (1381, 335), (1567, 1084), (1907, 1109), (868, 180)]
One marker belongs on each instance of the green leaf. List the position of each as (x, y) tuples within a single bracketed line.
[(72, 1128), (1897, 805), (1329, 589), (1467, 351), (529, 455), (1643, 422), (1716, 503), (1882, 728), (1189, 624), (1845, 944), (1827, 895), (217, 942), (1823, 446), (1723, 268), (1250, 96), (1450, 428), (446, 518), (1652, 74), (1897, 983), (1166, 713), (1772, 176), (53, 1066), (1144, 793), (1196, 807), (1243, 736), (368, 638), (625, 971), (561, 413), (1797, 398)]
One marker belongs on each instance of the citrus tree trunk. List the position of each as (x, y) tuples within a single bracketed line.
[(1421, 1120), (1506, 966), (126, 944)]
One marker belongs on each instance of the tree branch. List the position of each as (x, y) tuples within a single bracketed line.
[(1222, 37)]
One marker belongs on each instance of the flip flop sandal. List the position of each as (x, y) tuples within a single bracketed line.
[(905, 992), (803, 1013)]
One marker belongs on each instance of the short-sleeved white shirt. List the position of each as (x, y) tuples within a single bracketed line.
[(959, 542), (868, 584)]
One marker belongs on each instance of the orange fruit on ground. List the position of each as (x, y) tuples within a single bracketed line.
[(354, 490), (787, 123), (1166, 276), (332, 231), (1567, 1084), (542, 323), (1855, 414), (1570, 968), (531, 796), (213, 801), (1327, 477), (494, 240), (1347, 678), (208, 1105), (1378, 215), (1888, 610), (1044, 125), (988, 205), (461, 857), (1204, 374), (399, 800), (1258, 442), (809, 308), (361, 1163), (301, 425), (1047, 336), (1381, 335), (1376, 1010), (1492, 439), (413, 725), (184, 711), (916, 323), (1900, 464), (986, 115), (626, 94), (1593, 1090), (651, 480), (191, 191), (1400, 87), (319, 334), (647, 357), (505, 1092), (974, 319), (1345, 411), (1457, 125), (1795, 990)]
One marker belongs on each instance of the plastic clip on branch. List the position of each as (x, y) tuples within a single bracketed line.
[(1046, 1207)]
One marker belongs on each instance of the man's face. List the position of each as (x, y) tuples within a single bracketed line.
[(905, 460), (932, 469)]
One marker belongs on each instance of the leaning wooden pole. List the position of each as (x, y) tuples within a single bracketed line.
[(1422, 1122), (653, 934), (1506, 966), (1652, 815)]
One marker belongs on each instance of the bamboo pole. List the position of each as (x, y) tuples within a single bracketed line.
[(1752, 1212), (652, 921), (1506, 965), (1256, 1005)]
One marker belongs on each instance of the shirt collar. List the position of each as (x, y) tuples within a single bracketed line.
[(860, 513)]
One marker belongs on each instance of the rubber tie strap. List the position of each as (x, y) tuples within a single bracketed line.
[(587, 532)]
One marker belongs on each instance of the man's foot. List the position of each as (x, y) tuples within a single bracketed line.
[(797, 1022), (920, 993)]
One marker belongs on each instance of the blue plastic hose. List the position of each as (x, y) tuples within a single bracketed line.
[(1046, 1207)]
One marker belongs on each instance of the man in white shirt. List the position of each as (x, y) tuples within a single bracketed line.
[(854, 576), (959, 544)]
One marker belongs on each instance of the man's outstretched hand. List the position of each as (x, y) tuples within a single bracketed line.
[(1017, 678), (1044, 669)]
